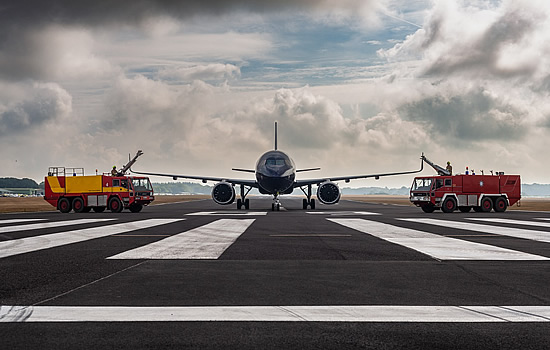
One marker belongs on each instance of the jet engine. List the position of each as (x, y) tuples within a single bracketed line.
[(328, 193), (223, 193)]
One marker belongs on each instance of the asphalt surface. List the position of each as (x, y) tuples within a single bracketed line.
[(199, 275)]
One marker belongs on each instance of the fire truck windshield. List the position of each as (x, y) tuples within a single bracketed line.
[(422, 184), (142, 185)]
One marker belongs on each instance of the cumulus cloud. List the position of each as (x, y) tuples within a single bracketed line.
[(39, 103), (209, 72)]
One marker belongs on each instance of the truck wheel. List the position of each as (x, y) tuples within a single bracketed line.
[(486, 205), (428, 208), (64, 205), (449, 205), (464, 209), (99, 209), (500, 205), (115, 205), (136, 208), (78, 205)]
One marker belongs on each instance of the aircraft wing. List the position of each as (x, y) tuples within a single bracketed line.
[(204, 179), (300, 183)]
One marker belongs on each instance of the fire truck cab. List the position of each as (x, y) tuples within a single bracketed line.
[(482, 193)]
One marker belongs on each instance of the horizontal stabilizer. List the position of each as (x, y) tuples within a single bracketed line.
[(244, 170), (310, 169)]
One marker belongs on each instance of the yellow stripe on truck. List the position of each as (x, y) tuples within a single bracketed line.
[(54, 184)]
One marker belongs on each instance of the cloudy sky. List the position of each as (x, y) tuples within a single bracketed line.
[(357, 86)]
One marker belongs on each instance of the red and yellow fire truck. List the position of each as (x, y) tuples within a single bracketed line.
[(448, 192), (69, 189)]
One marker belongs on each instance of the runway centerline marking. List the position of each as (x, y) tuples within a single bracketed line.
[(322, 313), (436, 246), (342, 213), (30, 244), (513, 222), (228, 213), (13, 221), (204, 242), (43, 225), (540, 236), (309, 235)]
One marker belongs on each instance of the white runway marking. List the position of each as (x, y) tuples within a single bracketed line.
[(229, 213), (13, 221), (44, 225), (343, 313), (30, 244), (534, 235), (205, 242), (439, 247), (543, 218), (513, 222), (342, 213)]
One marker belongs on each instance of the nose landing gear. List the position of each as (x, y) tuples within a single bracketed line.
[(276, 205)]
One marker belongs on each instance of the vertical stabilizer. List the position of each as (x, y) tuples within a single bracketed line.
[(275, 136)]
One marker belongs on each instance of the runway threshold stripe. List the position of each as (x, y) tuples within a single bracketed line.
[(13, 221), (30, 244), (540, 236), (205, 242), (342, 213), (343, 313), (437, 246), (43, 225), (228, 213), (513, 222)]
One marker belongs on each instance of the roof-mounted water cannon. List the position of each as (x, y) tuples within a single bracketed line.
[(130, 162), (440, 170)]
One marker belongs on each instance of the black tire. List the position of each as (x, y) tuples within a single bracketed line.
[(247, 204), (501, 205), (486, 205), (278, 207), (312, 203), (304, 204), (99, 209), (115, 205), (428, 208), (239, 203), (78, 205), (449, 205), (477, 209), (86, 209), (136, 208), (272, 206), (64, 205), (464, 209)]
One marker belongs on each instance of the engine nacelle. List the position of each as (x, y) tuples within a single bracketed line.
[(223, 193), (328, 193)]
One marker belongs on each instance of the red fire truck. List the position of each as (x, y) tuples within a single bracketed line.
[(448, 192), (69, 189)]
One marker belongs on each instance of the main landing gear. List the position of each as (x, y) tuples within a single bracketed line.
[(243, 201), (276, 205), (309, 201)]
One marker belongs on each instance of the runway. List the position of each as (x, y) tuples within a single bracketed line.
[(351, 275)]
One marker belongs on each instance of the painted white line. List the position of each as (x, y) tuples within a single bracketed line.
[(44, 225), (543, 218), (13, 221), (541, 236), (205, 242), (343, 313), (342, 213), (439, 247), (513, 222), (229, 213), (30, 244)]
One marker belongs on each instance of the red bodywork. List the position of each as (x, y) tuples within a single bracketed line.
[(464, 192)]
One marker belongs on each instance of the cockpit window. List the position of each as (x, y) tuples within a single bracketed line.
[(274, 161)]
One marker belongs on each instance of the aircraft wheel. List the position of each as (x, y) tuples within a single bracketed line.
[(478, 209), (312, 203), (304, 204), (272, 206), (500, 205), (239, 203), (115, 205), (464, 209), (99, 209), (78, 205), (486, 205), (247, 204), (64, 205), (278, 207)]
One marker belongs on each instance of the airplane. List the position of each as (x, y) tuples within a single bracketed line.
[(276, 175)]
